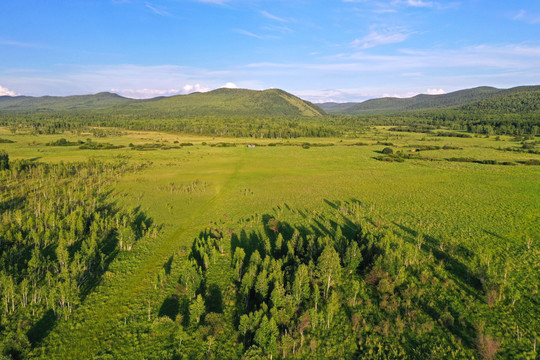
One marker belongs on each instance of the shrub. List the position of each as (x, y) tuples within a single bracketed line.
[(487, 346), (387, 151), (532, 162)]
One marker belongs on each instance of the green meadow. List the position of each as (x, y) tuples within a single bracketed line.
[(185, 184)]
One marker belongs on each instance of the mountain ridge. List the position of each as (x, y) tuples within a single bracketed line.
[(424, 101), (223, 101)]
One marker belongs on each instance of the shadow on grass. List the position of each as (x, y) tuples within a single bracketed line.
[(453, 265)]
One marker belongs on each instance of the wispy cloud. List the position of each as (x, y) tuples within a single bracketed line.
[(381, 37), (509, 56), (21, 44), (494, 64), (267, 15), (383, 7), (278, 28), (156, 10), (217, 2), (525, 16), (253, 35)]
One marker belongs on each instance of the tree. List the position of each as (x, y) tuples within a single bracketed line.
[(266, 336), (196, 309), (353, 256), (300, 287), (331, 308), (355, 289), (261, 284), (329, 268), (190, 277), (238, 262)]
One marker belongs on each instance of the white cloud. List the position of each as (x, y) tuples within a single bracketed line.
[(6, 92), (150, 93), (191, 88), (145, 93), (435, 91), (403, 95), (230, 85), (377, 38)]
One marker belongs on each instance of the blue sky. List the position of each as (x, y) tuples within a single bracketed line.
[(321, 50)]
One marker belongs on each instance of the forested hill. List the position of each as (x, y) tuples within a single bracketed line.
[(528, 102), (426, 102), (220, 102), (223, 102), (57, 103)]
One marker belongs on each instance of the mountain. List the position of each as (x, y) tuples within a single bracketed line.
[(224, 102), (220, 102), (336, 107), (60, 103), (425, 102), (513, 103)]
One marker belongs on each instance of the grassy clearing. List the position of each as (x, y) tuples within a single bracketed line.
[(186, 189)]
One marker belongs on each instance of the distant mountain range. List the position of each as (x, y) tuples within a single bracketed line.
[(59, 103), (423, 101), (222, 102), (272, 102)]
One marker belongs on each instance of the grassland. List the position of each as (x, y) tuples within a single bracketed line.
[(187, 188)]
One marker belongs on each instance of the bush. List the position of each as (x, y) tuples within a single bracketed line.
[(532, 162), (387, 151)]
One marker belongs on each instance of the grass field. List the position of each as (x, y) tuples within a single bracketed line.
[(186, 189)]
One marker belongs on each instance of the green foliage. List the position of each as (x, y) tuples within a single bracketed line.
[(58, 235), (64, 142), (4, 160), (54, 103), (358, 291)]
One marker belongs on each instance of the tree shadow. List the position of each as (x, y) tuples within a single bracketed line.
[(458, 269), (170, 307), (12, 203), (109, 249), (214, 299), (168, 265), (497, 236), (42, 328), (465, 332)]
